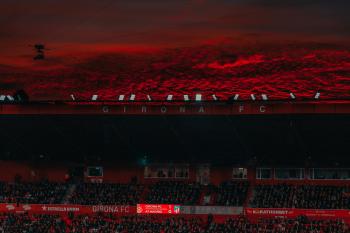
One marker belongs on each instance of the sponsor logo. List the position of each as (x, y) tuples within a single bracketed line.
[(177, 209), (10, 207), (111, 209), (273, 212), (27, 207), (60, 208)]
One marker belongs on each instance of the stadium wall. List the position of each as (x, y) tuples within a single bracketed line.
[(123, 173), (31, 171)]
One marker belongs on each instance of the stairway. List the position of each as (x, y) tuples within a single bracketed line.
[(144, 194), (69, 193), (250, 195), (208, 189)]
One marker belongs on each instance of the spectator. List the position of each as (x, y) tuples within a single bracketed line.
[(232, 193), (40, 193), (301, 196), (174, 193), (107, 194)]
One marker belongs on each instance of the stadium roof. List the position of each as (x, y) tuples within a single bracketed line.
[(253, 71)]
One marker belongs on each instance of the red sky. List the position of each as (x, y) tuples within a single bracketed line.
[(70, 27), (257, 46)]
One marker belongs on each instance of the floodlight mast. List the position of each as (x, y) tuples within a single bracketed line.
[(40, 51)]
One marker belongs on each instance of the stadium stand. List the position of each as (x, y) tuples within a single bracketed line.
[(301, 196), (40, 192), (19, 223), (273, 196), (174, 192), (232, 193), (322, 197), (107, 194), (157, 224), (249, 206)]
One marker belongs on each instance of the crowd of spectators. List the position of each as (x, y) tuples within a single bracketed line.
[(273, 196), (40, 193), (174, 192), (322, 197), (23, 223), (232, 193), (301, 196), (279, 225), (107, 194), (128, 224)]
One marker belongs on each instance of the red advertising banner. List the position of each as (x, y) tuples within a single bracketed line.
[(293, 213), (251, 213), (64, 209), (158, 209)]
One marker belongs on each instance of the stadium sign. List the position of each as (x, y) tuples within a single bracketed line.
[(111, 209), (67, 208), (158, 209), (293, 213), (177, 109), (244, 108)]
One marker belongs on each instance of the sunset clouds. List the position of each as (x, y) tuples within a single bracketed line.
[(157, 45), (167, 22)]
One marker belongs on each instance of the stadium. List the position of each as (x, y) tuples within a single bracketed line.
[(169, 116)]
